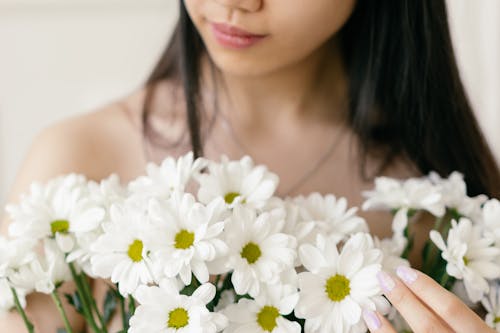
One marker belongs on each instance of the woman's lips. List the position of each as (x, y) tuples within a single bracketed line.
[(233, 37)]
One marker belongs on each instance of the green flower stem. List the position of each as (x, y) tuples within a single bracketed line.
[(60, 308), (124, 313), (84, 299), (91, 300), (131, 305), (444, 279), (21, 311)]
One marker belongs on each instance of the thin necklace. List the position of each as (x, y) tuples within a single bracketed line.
[(306, 176)]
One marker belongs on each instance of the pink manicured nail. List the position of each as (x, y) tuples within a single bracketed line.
[(371, 320), (385, 281), (407, 274)]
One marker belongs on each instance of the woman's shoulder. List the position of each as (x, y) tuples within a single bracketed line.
[(91, 143), (96, 143)]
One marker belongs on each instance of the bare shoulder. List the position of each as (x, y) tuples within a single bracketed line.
[(96, 144), (99, 142)]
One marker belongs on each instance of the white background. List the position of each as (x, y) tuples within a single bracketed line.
[(61, 57)]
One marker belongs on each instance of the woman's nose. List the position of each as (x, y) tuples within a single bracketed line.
[(246, 5)]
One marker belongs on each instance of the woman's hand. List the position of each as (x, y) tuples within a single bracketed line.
[(425, 305)]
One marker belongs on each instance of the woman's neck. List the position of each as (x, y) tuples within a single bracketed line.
[(305, 91)]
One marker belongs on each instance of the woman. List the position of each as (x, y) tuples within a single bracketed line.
[(327, 94)]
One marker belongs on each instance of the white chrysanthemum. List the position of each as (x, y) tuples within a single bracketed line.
[(265, 313), (492, 304), (108, 191), (392, 249), (491, 219), (403, 196), (413, 193), (58, 209), (470, 256), (331, 217), (185, 236), (172, 175), (258, 252), (44, 273), (338, 286), (163, 309), (105, 193), (7, 299), (454, 195), (121, 253), (237, 182), (15, 253)]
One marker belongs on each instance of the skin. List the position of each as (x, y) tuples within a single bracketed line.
[(427, 307), (278, 99)]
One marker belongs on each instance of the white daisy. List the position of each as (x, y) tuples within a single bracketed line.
[(265, 313), (403, 197), (185, 236), (454, 195), (163, 309), (45, 273), (492, 304), (120, 253), (108, 191), (414, 193), (258, 252), (172, 175), (338, 286), (15, 253), (392, 249), (58, 209), (237, 182), (105, 193), (331, 217), (7, 299), (491, 219), (470, 256)]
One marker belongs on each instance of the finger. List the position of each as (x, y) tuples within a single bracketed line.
[(417, 315), (377, 323), (444, 303)]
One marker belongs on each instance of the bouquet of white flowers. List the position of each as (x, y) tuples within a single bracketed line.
[(202, 246)]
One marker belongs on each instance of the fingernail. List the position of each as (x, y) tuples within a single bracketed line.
[(385, 281), (371, 320), (407, 274)]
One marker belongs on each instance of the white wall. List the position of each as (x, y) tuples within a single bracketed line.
[(59, 57), (475, 27)]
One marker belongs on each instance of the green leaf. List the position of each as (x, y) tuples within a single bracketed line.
[(189, 290), (109, 305), (61, 330), (75, 301)]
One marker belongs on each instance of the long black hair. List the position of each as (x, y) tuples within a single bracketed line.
[(405, 92)]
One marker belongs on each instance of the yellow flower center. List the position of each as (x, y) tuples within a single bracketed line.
[(135, 250), (184, 239), (229, 197), (61, 226), (266, 318), (251, 252), (496, 320), (337, 287), (178, 318), (466, 261)]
